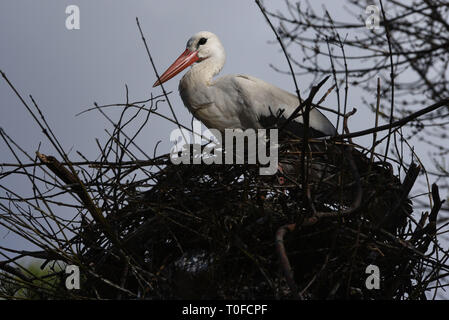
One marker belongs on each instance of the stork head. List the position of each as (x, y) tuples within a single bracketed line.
[(202, 46), (206, 45)]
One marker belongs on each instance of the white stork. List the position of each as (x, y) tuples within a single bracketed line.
[(235, 101)]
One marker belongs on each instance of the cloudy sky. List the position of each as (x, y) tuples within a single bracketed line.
[(67, 70)]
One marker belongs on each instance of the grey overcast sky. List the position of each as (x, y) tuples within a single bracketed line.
[(67, 70)]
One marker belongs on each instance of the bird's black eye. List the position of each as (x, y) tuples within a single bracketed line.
[(202, 41)]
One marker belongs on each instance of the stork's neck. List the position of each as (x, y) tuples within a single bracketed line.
[(201, 74)]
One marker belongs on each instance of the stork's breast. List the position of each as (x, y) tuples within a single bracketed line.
[(214, 118)]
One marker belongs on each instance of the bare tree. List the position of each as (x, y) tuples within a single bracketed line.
[(408, 51)]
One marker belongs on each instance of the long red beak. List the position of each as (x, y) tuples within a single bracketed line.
[(184, 60)]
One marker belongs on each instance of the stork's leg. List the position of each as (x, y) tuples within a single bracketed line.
[(281, 180)]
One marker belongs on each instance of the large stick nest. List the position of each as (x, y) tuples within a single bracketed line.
[(224, 231)]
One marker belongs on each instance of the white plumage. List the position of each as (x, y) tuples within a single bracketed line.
[(234, 101)]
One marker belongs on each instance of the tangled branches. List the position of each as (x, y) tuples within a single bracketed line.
[(141, 227), (407, 51), (221, 231)]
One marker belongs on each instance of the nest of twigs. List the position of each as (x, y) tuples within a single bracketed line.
[(150, 229), (334, 222), (226, 232)]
